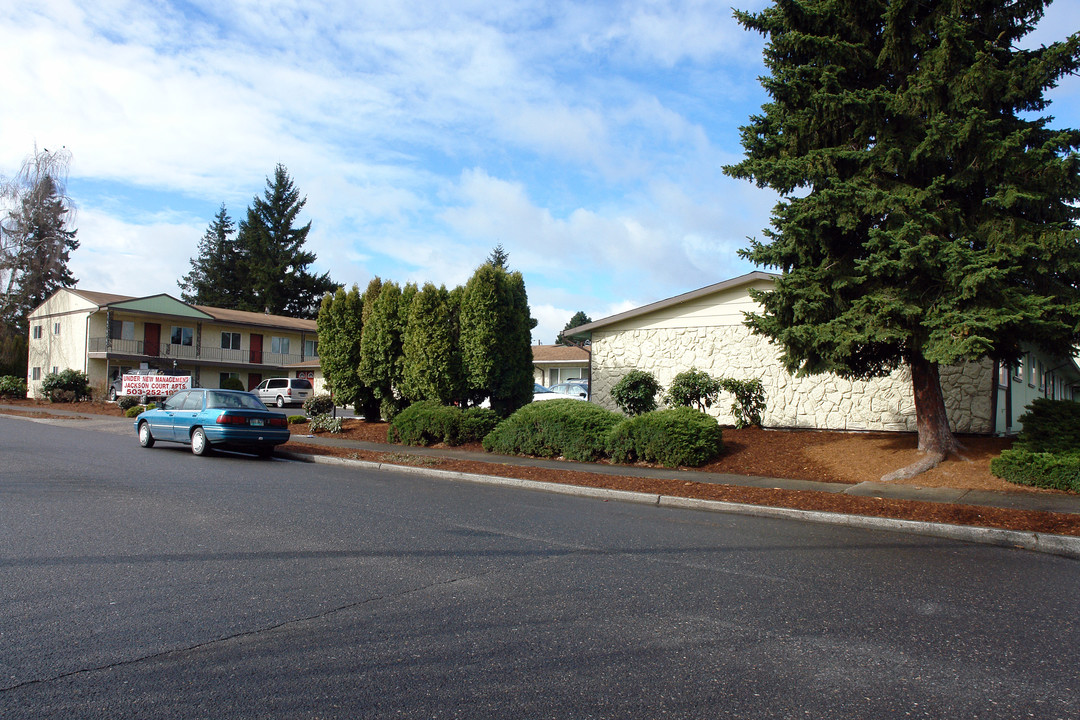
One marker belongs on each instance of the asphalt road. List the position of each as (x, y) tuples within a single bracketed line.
[(155, 584)]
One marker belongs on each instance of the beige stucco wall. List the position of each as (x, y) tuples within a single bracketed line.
[(65, 350), (708, 335)]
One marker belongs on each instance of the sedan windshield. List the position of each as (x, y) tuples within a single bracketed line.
[(220, 400)]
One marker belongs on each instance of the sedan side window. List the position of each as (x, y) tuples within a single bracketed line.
[(193, 401), (176, 401)]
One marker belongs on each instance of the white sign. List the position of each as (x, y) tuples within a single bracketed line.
[(154, 385)]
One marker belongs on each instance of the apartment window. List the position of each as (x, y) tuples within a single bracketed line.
[(226, 376), (56, 328), (279, 345), (230, 341), (1030, 370), (1003, 375), (1042, 376), (122, 330), (38, 332), (182, 335), (35, 374), (311, 348), (55, 370), (1018, 371)]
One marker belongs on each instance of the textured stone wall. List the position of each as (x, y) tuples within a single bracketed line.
[(819, 401)]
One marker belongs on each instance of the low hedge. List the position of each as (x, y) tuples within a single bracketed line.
[(1060, 471), (12, 386), (426, 423), (676, 437), (297, 419), (477, 422), (567, 428)]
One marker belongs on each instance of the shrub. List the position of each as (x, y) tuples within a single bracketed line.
[(231, 383), (134, 411), (675, 437), (126, 402), (325, 423), (635, 393), (692, 388), (1060, 471), (476, 423), (297, 419), (568, 428), (1051, 426), (321, 404), (749, 400), (12, 386), (72, 383), (426, 423)]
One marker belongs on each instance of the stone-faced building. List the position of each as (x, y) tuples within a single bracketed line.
[(704, 329)]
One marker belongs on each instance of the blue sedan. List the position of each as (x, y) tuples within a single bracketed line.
[(208, 418)]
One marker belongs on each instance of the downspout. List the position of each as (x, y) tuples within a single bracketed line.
[(994, 397), (1009, 405)]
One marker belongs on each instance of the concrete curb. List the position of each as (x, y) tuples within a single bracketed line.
[(1062, 545)]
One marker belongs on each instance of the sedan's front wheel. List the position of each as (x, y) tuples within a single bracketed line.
[(199, 444), (145, 438)]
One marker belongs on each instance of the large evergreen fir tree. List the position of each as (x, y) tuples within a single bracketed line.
[(214, 278), (929, 212), (273, 271)]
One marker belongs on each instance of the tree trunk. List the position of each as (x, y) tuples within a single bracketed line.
[(936, 440)]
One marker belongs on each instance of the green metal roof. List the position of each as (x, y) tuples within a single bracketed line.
[(161, 305)]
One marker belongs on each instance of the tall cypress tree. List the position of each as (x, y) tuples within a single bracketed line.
[(929, 215), (273, 264), (432, 368), (496, 327), (214, 278)]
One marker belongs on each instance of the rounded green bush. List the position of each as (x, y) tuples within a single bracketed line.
[(12, 386), (678, 437), (476, 423), (134, 411), (554, 428), (321, 404), (426, 423), (635, 393), (297, 419), (126, 402), (231, 383)]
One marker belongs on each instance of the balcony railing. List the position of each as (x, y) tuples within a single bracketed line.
[(187, 352)]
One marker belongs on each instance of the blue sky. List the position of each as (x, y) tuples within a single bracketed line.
[(585, 137)]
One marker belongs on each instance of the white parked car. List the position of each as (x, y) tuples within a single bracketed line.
[(542, 393), (284, 391)]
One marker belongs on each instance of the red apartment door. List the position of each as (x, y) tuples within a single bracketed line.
[(255, 355), (152, 339)]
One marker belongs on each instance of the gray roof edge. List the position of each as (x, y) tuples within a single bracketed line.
[(677, 299)]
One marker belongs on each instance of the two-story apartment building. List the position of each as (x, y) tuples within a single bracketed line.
[(105, 335)]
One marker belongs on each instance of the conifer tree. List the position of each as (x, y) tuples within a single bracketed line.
[(496, 327), (35, 242), (214, 277), (432, 368), (579, 318), (929, 213), (340, 330), (273, 263), (381, 352)]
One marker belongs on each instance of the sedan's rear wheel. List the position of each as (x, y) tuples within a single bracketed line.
[(199, 444), (145, 438)]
